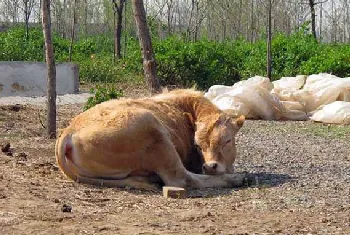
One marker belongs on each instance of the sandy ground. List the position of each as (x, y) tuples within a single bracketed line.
[(303, 186)]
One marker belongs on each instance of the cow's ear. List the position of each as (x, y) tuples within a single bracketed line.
[(238, 122)]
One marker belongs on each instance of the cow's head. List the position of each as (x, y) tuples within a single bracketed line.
[(215, 138)]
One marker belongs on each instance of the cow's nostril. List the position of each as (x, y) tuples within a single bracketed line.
[(210, 168)]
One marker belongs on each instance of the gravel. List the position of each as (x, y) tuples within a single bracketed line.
[(312, 170)]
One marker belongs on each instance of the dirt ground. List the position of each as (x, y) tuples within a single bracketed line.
[(302, 171)]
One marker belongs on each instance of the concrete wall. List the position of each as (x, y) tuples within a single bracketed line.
[(19, 78)]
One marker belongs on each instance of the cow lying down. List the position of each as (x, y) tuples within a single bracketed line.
[(123, 143)]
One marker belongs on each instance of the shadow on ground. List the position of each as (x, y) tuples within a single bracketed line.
[(256, 180)]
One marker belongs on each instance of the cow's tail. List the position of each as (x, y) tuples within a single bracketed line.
[(64, 156)]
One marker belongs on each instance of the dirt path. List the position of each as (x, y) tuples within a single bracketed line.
[(302, 169)]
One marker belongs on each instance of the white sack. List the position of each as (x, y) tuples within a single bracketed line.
[(289, 83), (325, 89), (291, 98), (253, 100), (217, 90), (336, 112), (259, 81)]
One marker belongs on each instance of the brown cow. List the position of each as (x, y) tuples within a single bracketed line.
[(124, 142)]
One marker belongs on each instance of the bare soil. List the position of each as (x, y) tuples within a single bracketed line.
[(303, 186)]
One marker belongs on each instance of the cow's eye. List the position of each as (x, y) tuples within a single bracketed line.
[(227, 142)]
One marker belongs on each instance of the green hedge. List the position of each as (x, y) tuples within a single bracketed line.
[(201, 63)]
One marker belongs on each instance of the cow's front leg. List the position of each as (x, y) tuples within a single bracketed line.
[(169, 167), (217, 181)]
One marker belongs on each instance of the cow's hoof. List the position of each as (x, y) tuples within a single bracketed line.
[(235, 180), (248, 180)]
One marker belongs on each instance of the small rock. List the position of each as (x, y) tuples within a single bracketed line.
[(66, 208), (56, 200), (174, 192), (6, 148), (21, 156), (10, 154), (15, 107)]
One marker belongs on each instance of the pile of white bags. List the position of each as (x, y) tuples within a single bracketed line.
[(322, 97)]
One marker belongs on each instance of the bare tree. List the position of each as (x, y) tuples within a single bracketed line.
[(320, 26), (27, 10), (347, 19), (15, 11), (149, 63), (118, 15), (51, 70), (72, 32), (313, 17), (170, 7), (269, 39), (312, 4)]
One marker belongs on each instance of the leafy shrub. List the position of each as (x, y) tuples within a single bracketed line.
[(200, 63), (15, 46), (333, 59), (98, 70), (290, 52), (101, 94)]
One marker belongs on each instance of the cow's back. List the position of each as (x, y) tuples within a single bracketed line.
[(118, 112)]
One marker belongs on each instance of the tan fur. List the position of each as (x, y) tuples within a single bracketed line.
[(125, 142)]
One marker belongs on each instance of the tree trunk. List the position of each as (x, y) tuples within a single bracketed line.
[(63, 18), (321, 17), (169, 18), (39, 15), (334, 29), (190, 21), (196, 28), (51, 69), (85, 18), (269, 38), (252, 22), (15, 12), (346, 21), (118, 10), (72, 32), (240, 16), (149, 63), (125, 28), (26, 19), (313, 17)]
